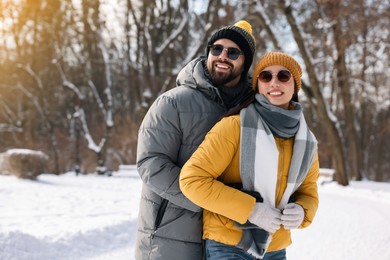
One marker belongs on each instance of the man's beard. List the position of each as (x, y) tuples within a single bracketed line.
[(221, 78)]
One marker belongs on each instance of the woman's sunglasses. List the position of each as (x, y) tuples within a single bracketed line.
[(266, 76), (232, 53)]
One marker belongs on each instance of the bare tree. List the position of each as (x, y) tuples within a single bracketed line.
[(78, 76), (313, 92)]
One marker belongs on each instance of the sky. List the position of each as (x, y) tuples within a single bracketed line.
[(91, 217)]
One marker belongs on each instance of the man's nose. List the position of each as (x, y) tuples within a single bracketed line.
[(224, 54)]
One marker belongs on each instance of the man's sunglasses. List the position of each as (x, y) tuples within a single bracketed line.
[(232, 53), (266, 76)]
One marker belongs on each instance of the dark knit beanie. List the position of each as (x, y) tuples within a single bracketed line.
[(241, 34)]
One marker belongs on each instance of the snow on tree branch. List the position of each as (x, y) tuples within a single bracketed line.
[(69, 84), (91, 143), (173, 36), (10, 128), (108, 90), (97, 98)]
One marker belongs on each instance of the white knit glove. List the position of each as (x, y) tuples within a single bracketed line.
[(266, 217), (293, 215)]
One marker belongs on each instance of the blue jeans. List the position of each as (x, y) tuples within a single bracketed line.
[(218, 251)]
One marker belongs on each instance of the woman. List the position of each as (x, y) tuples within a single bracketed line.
[(256, 172)]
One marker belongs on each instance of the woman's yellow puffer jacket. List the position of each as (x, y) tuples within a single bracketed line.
[(206, 177)]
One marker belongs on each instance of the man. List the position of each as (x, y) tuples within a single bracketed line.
[(169, 225)]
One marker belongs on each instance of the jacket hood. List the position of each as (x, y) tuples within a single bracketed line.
[(193, 76)]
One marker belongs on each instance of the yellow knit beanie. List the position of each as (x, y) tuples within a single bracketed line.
[(278, 58)]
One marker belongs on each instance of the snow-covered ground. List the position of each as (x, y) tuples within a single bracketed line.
[(94, 218)]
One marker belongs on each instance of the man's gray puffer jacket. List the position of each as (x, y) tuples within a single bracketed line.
[(169, 225)]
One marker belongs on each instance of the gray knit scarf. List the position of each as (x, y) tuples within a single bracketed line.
[(259, 155)]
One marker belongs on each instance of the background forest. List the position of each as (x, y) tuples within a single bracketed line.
[(78, 76)]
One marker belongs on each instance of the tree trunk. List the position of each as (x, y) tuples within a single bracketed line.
[(320, 107), (342, 77)]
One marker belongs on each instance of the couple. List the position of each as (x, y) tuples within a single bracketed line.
[(228, 163)]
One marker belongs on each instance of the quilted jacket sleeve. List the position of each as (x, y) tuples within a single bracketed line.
[(159, 141), (307, 193)]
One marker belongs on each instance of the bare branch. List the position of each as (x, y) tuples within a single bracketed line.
[(33, 98), (10, 128), (28, 69), (172, 36), (67, 83), (88, 137)]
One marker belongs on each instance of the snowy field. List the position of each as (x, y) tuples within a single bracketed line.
[(94, 218)]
